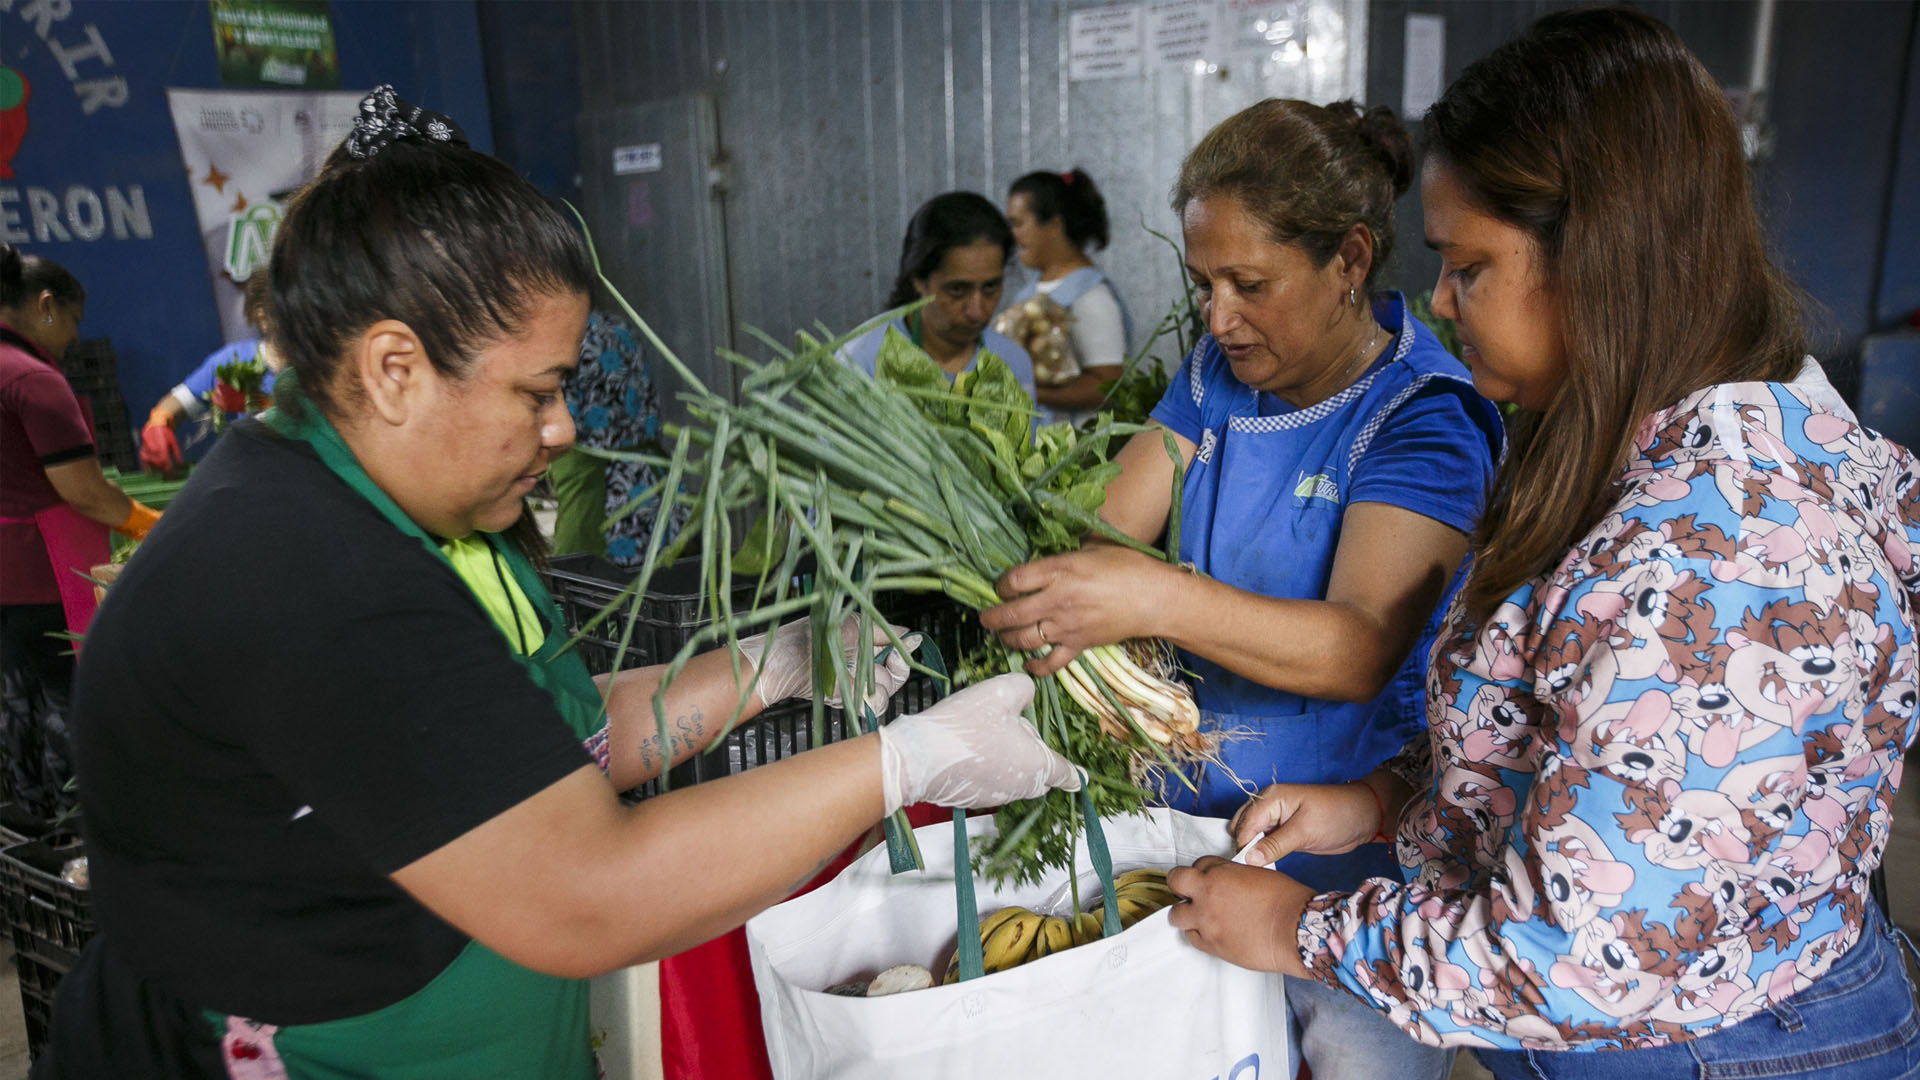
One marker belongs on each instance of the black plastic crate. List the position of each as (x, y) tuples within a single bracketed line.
[(40, 975), (93, 373), (19, 825), (42, 905), (114, 439), (669, 614), (951, 625), (90, 358)]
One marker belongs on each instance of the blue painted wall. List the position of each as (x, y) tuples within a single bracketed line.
[(98, 128), (533, 73)]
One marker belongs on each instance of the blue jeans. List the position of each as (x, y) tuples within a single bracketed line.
[(1344, 1038), (1856, 1023)]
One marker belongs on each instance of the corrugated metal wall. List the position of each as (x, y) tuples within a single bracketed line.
[(841, 116)]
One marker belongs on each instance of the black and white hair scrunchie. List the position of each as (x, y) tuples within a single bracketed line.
[(385, 119)]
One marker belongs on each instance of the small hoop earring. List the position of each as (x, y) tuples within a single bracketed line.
[(1353, 297)]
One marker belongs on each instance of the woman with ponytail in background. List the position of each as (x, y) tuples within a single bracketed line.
[(1057, 218)]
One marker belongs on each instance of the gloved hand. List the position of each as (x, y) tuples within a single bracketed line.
[(787, 669), (159, 450), (973, 749)]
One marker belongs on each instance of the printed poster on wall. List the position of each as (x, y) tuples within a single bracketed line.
[(275, 43), (1180, 32), (1104, 42), (245, 152)]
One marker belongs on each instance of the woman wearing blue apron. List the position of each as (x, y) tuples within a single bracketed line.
[(955, 251), (1336, 458), (1056, 218)]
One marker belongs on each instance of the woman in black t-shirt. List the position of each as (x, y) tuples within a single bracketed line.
[(340, 818)]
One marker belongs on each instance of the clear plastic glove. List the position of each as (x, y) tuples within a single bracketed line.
[(973, 749), (786, 670)]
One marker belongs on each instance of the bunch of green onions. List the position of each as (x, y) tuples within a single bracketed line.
[(885, 501)]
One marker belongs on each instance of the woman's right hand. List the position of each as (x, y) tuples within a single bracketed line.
[(972, 749), (1062, 604), (1320, 819), (159, 450)]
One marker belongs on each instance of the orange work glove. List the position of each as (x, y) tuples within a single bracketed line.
[(139, 519)]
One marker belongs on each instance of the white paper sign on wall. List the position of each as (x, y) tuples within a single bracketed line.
[(1104, 42), (1181, 31), (636, 159), (1425, 65)]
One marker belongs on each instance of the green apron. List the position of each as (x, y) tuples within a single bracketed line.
[(483, 1016)]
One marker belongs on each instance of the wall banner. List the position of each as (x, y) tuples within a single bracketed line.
[(245, 152), (275, 43)]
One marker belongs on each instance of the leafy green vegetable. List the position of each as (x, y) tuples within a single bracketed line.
[(903, 481)]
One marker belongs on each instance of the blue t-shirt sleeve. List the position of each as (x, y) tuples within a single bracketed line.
[(863, 352), (1435, 455), (1179, 409)]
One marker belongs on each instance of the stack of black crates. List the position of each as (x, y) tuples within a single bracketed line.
[(90, 369), (670, 615), (49, 917)]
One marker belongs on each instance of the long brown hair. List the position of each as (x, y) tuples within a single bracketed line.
[(1308, 172), (1601, 136)]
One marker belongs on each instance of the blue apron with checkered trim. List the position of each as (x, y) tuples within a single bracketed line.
[(1261, 511)]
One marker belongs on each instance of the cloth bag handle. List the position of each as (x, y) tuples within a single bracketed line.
[(903, 851), (970, 963)]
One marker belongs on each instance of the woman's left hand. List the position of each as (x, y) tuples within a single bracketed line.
[(1245, 915), (1098, 595)]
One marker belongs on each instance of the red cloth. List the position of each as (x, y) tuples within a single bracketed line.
[(39, 418), (709, 1011)]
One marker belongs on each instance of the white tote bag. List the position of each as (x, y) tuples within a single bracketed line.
[(1141, 1003)]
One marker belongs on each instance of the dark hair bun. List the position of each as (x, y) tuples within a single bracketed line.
[(1387, 137), (12, 281)]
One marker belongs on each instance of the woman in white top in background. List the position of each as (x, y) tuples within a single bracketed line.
[(1056, 219)]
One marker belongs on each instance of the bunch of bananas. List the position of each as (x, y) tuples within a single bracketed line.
[(1012, 936)]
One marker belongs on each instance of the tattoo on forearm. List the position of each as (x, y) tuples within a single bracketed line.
[(689, 731)]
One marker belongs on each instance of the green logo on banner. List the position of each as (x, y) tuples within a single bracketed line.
[(250, 238)]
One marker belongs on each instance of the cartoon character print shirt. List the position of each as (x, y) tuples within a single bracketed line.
[(1658, 777), (610, 395)]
